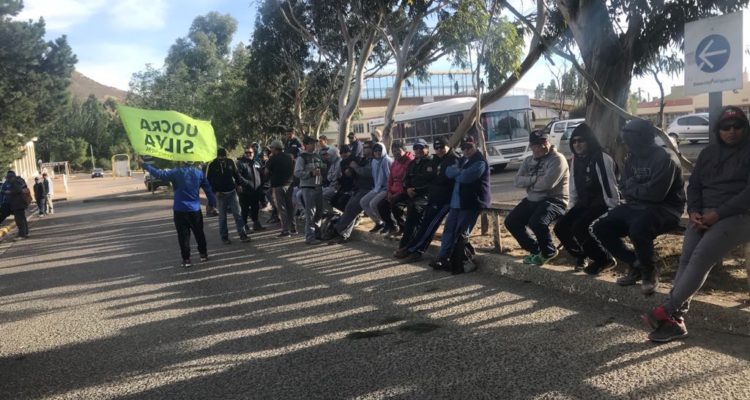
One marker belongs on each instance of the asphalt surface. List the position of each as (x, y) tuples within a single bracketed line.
[(503, 190), (94, 306)]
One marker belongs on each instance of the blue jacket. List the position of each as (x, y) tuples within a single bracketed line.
[(472, 188), (381, 170), (187, 182)]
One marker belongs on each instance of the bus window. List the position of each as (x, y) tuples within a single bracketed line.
[(506, 125), (440, 125), (423, 128), (408, 130), (455, 120), (398, 132)]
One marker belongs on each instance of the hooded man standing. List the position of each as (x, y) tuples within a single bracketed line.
[(653, 189), (224, 179), (12, 202), (544, 175), (308, 169), (593, 191)]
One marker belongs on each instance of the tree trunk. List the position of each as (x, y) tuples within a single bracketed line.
[(398, 83), (614, 81), (660, 116), (298, 117), (354, 88)]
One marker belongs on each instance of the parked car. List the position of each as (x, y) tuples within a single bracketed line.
[(152, 183), (564, 146), (691, 127), (97, 173), (557, 129)]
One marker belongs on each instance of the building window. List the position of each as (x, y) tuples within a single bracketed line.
[(358, 128)]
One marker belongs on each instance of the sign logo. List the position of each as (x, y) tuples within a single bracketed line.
[(712, 53)]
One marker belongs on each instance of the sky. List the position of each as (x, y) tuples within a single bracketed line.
[(114, 39)]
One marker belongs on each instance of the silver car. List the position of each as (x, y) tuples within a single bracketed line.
[(691, 127)]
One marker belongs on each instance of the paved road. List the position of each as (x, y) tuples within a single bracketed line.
[(503, 190), (94, 306)]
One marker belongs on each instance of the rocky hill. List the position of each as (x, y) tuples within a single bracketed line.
[(82, 86)]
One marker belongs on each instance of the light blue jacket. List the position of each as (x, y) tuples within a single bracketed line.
[(381, 170)]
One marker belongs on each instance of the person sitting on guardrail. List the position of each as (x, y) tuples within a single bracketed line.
[(471, 193), (391, 207), (332, 158), (718, 203), (544, 175), (225, 181), (419, 175), (381, 170), (593, 191), (438, 204), (653, 189), (187, 181), (360, 170), (14, 199)]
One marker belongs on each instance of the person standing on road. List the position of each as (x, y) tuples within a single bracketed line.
[(308, 169), (13, 202), (653, 189), (251, 188), (471, 193), (187, 182), (593, 191), (224, 179), (49, 190), (280, 170), (40, 196), (544, 175), (718, 198)]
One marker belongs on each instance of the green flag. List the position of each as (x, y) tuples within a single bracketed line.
[(168, 134)]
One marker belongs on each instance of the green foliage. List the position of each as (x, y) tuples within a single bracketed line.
[(35, 76)]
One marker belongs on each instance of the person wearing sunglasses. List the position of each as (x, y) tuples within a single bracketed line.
[(718, 199), (544, 175), (593, 191), (251, 188), (653, 189)]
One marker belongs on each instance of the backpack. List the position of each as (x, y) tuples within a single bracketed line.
[(26, 194)]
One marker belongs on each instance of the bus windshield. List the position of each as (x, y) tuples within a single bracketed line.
[(506, 125)]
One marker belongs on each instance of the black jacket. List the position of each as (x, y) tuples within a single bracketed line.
[(420, 173), (441, 187), (280, 168), (39, 191), (222, 175), (250, 175)]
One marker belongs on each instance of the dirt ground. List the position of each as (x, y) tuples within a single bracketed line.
[(727, 282)]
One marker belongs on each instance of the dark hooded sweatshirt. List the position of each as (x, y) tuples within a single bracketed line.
[(652, 175), (592, 175), (721, 178)]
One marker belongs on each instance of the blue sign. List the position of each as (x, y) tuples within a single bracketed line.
[(712, 53)]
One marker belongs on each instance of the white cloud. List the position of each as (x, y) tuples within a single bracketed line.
[(139, 14), (60, 14), (114, 64)]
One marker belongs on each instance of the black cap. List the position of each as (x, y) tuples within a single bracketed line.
[(439, 142), (468, 141), (420, 143), (221, 152), (538, 137)]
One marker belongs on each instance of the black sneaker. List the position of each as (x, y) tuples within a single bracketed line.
[(630, 279), (377, 228), (597, 267), (284, 234), (257, 227), (293, 232), (439, 264), (650, 282), (413, 257), (204, 257), (337, 240), (581, 264), (401, 253), (669, 330), (245, 239), (186, 263), (226, 241)]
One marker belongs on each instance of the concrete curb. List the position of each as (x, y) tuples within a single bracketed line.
[(705, 312)]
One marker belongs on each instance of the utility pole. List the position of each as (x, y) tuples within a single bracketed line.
[(93, 165)]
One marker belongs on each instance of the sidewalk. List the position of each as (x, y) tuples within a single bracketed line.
[(705, 311)]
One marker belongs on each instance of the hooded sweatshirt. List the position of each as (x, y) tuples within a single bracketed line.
[(381, 169), (398, 173), (545, 177), (334, 166), (593, 181), (223, 175), (721, 176), (652, 175), (304, 166)]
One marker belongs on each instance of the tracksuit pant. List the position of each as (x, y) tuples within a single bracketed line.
[(433, 216), (282, 197), (353, 208), (573, 231), (185, 222)]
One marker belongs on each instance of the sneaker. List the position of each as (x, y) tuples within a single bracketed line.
[(245, 239), (284, 234), (401, 253), (650, 282), (581, 264), (388, 231), (377, 228), (257, 227), (598, 267), (337, 240), (226, 241), (669, 330), (630, 279), (654, 318), (529, 259), (439, 264), (204, 257), (541, 259), (293, 232), (413, 257), (186, 263)]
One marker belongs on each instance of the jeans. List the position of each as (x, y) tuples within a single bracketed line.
[(537, 216), (19, 215), (185, 222), (459, 223), (345, 224), (433, 216), (41, 204), (313, 199), (369, 204), (224, 201), (574, 233), (282, 197), (642, 225)]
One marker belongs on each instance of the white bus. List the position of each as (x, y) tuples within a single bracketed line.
[(507, 123)]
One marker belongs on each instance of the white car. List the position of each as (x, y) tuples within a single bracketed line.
[(557, 129), (691, 127)]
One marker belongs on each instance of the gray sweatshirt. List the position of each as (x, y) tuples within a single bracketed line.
[(303, 169), (721, 180), (544, 178)]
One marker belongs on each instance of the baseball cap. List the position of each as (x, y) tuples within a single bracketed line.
[(276, 144), (419, 144), (440, 142), (538, 137), (468, 141), (732, 113)]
